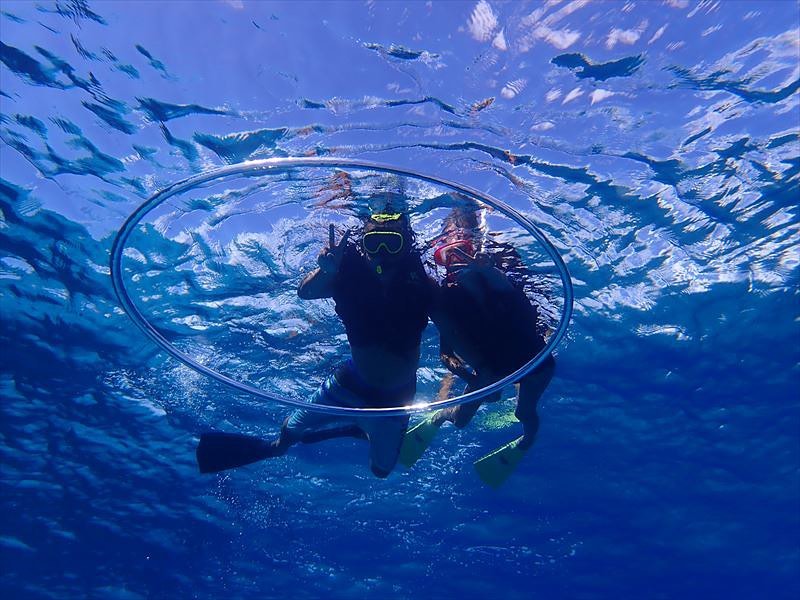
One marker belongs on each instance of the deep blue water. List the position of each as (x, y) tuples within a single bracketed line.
[(657, 144)]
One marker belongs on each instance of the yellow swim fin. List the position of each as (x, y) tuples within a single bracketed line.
[(497, 466), (416, 441)]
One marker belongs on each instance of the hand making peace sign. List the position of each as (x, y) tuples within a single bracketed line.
[(331, 257)]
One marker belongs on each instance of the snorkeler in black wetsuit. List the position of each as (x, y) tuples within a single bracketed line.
[(489, 324), (488, 330), (383, 296)]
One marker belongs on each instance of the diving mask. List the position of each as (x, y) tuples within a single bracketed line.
[(452, 254), (391, 242)]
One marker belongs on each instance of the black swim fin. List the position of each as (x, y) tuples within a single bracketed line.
[(218, 451)]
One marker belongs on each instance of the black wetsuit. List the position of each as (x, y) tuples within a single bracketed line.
[(495, 332), (391, 314), (500, 326)]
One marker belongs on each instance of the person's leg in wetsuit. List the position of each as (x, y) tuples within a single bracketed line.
[(288, 438), (309, 427), (218, 451), (531, 389), (384, 434)]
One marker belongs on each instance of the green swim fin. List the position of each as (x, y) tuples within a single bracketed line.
[(416, 441), (497, 466)]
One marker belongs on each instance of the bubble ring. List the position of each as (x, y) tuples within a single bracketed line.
[(276, 165)]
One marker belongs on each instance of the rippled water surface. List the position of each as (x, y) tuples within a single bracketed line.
[(655, 143)]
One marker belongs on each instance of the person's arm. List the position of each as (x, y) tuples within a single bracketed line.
[(454, 363), (319, 283)]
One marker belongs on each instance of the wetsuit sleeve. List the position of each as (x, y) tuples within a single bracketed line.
[(318, 284)]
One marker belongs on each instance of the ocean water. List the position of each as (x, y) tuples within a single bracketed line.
[(656, 144)]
